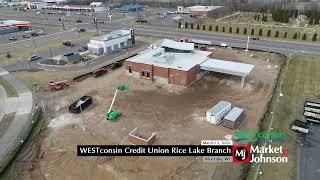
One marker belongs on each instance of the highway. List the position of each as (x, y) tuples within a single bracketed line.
[(233, 41)]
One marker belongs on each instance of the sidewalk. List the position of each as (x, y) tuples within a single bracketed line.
[(22, 105)]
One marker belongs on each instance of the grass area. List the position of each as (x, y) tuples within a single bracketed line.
[(23, 55), (43, 77), (302, 80), (10, 90), (5, 123)]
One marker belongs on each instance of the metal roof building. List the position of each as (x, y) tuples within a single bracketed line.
[(132, 7)]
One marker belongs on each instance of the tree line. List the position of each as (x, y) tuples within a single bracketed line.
[(314, 16), (247, 31), (281, 15)]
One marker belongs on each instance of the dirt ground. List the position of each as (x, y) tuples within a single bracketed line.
[(175, 114)]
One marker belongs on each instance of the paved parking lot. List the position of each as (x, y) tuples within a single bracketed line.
[(309, 165)]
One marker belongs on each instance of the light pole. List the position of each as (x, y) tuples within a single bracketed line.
[(247, 49)]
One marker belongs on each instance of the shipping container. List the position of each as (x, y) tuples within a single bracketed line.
[(216, 114), (234, 118), (80, 105)]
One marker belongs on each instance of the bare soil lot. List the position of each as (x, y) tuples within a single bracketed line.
[(177, 115)]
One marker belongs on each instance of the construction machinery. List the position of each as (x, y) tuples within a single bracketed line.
[(57, 85), (114, 115)]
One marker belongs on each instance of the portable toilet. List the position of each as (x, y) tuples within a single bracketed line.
[(217, 112), (234, 118)]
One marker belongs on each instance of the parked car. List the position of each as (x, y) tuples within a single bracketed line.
[(81, 49), (13, 38), (34, 34), (68, 43), (81, 30), (34, 58), (254, 38), (41, 32), (79, 21), (25, 36)]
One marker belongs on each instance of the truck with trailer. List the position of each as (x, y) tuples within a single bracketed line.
[(300, 126), (216, 114), (57, 85), (312, 111)]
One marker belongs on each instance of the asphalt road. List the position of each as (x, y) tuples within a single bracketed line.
[(309, 155), (25, 65)]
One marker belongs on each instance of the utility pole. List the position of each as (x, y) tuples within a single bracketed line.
[(247, 49), (96, 22), (34, 43)]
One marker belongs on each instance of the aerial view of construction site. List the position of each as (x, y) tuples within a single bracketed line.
[(159, 90)]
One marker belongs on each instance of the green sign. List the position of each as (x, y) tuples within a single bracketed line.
[(255, 136)]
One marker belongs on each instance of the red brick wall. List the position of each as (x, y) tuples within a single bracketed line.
[(139, 67), (137, 141), (177, 77), (199, 13), (192, 74), (160, 72), (174, 76)]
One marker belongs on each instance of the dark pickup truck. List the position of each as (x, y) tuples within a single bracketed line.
[(80, 105), (68, 43)]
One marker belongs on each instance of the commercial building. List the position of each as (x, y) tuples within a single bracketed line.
[(11, 26), (179, 63), (37, 5), (95, 7), (202, 11), (131, 7), (67, 58), (112, 42)]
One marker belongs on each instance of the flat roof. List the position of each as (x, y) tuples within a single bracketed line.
[(234, 114), (177, 45), (12, 22), (227, 67), (218, 108), (203, 8), (180, 61), (112, 35)]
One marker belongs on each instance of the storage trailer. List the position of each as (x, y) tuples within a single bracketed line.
[(234, 118), (216, 114)]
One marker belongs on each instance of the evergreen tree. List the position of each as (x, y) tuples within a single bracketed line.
[(245, 31), (295, 36), (186, 25), (277, 34), (223, 29), (237, 30), (198, 27), (314, 37), (304, 37), (260, 32), (285, 35), (252, 32), (217, 28), (230, 29), (269, 33), (210, 28), (204, 27), (191, 26)]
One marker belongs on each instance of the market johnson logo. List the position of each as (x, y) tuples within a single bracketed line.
[(241, 154), (256, 154)]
